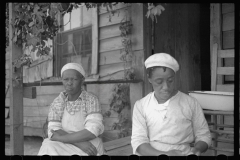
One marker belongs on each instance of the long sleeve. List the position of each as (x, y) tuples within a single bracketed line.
[(94, 118), (55, 114), (139, 127), (200, 126)]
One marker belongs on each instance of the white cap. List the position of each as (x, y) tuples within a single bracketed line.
[(162, 59), (75, 66)]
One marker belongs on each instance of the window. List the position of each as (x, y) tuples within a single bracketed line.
[(74, 43)]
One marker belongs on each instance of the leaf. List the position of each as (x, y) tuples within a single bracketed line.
[(33, 41), (148, 13), (38, 53), (31, 24), (43, 43), (19, 32), (35, 31), (15, 39)]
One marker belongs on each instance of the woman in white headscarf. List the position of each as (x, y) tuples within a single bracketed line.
[(167, 121), (74, 119)]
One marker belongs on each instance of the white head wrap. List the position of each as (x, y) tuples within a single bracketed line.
[(74, 66), (162, 59)]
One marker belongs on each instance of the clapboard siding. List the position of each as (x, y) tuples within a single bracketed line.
[(114, 76), (112, 68), (103, 10), (41, 100), (115, 19), (35, 122), (38, 72), (111, 57), (33, 111), (28, 131), (109, 31), (113, 43)]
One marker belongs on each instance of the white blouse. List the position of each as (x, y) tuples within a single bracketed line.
[(172, 125)]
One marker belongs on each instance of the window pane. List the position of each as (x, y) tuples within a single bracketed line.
[(76, 18), (70, 43), (87, 40), (87, 16), (65, 21)]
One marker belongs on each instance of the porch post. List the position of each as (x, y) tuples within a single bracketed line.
[(16, 94)]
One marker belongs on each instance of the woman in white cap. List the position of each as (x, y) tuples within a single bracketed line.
[(166, 121), (74, 119)]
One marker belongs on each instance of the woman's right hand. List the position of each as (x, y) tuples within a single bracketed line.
[(175, 153), (87, 147)]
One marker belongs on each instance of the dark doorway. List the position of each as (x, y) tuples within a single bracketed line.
[(183, 30)]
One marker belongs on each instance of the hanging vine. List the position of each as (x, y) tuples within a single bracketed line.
[(35, 23), (120, 103)]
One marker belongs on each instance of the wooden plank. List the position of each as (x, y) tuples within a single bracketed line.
[(16, 98), (122, 151), (109, 31), (95, 47), (111, 57), (117, 143), (7, 74), (136, 93), (222, 125), (225, 70), (114, 43), (225, 140), (137, 30), (227, 7), (221, 149), (117, 75), (7, 55), (221, 131), (29, 92), (229, 53), (31, 121), (215, 31), (30, 111), (49, 68), (214, 67), (218, 112), (6, 112), (7, 64), (228, 39), (35, 121), (115, 19), (105, 93), (28, 131), (42, 100), (112, 68), (228, 22), (46, 90), (120, 5)]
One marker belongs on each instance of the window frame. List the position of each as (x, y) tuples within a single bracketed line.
[(95, 55)]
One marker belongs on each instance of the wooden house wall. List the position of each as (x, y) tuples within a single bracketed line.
[(110, 68)]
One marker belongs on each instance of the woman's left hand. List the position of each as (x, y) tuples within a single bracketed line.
[(195, 151), (56, 136)]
